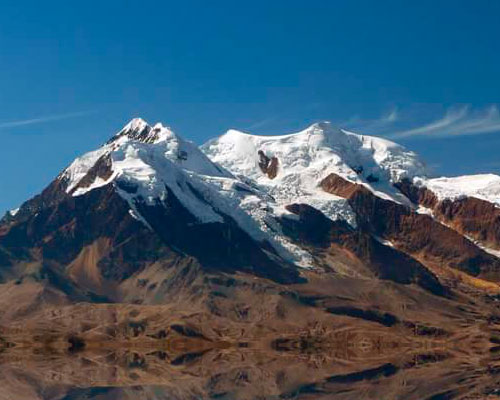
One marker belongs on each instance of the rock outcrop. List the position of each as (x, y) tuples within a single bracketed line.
[(476, 218), (268, 165)]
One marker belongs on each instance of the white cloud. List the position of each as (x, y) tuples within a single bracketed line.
[(39, 120), (457, 121)]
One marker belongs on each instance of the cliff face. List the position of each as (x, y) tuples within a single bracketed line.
[(327, 238), (419, 235)]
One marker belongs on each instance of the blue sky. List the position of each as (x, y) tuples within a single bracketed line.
[(425, 74)]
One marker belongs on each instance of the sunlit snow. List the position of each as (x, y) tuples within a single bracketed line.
[(222, 178)]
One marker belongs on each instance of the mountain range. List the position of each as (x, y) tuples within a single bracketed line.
[(276, 242)]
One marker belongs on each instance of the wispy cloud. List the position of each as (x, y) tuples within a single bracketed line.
[(39, 120), (457, 121), (372, 125), (392, 116), (260, 124)]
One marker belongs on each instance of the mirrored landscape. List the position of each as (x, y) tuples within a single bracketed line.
[(353, 364)]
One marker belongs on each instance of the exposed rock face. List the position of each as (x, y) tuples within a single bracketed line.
[(55, 237), (138, 130), (220, 246), (101, 169), (385, 262), (476, 218), (415, 234), (268, 166), (60, 235), (473, 217), (418, 195), (339, 186), (49, 196)]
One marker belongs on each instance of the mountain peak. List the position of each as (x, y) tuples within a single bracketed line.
[(321, 126), (317, 127), (136, 124), (139, 130), (141, 153)]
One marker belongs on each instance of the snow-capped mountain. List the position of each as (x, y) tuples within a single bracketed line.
[(273, 205), (252, 179), (144, 162), (279, 242)]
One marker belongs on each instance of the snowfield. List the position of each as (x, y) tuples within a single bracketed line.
[(484, 187), (307, 157)]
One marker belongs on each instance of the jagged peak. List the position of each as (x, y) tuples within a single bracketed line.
[(139, 130), (136, 124), (152, 150)]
